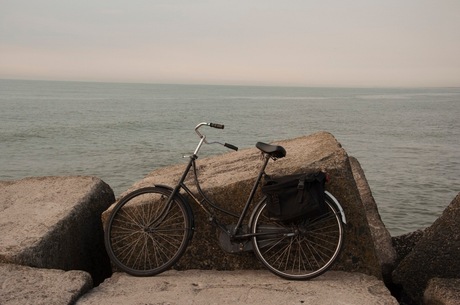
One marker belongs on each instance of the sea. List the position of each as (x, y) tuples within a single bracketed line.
[(407, 140)]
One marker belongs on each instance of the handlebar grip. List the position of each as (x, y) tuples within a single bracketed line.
[(218, 126), (231, 146)]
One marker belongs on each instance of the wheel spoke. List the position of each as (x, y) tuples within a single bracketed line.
[(138, 248), (304, 249)]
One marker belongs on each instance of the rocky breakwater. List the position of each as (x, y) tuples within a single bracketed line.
[(228, 179), (55, 223), (52, 223)]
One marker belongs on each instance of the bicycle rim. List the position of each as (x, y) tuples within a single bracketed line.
[(145, 236), (301, 249)]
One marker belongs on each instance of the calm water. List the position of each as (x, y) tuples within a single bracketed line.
[(407, 140)]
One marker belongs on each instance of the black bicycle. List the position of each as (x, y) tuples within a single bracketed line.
[(150, 228)]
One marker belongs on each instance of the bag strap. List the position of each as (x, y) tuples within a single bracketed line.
[(300, 188)]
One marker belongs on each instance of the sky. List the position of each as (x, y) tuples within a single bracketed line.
[(355, 43)]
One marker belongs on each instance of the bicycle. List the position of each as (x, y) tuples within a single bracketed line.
[(150, 228)]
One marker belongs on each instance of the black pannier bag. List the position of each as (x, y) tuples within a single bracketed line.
[(291, 197)]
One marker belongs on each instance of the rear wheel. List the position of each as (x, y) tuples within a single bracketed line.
[(301, 249), (145, 235)]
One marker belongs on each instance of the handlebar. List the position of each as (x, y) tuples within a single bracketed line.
[(231, 146), (218, 126), (203, 137)]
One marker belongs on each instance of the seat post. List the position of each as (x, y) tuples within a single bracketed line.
[(264, 165)]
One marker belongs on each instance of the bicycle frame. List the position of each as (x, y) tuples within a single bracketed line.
[(206, 201)]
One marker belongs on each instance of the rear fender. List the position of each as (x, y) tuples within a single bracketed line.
[(337, 205)]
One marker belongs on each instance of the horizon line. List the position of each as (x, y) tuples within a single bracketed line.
[(228, 84)]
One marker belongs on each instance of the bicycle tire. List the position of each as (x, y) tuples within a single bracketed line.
[(143, 236), (301, 249)]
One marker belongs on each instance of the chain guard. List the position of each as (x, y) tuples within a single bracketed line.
[(234, 246)]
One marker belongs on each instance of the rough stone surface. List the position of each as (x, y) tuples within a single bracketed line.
[(228, 179), (437, 254), (382, 238), (54, 222), (238, 287), (442, 292), (403, 244), (21, 285)]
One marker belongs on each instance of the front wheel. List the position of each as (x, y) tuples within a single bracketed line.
[(146, 232), (301, 249)]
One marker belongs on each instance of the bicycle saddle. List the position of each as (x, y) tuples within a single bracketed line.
[(274, 151)]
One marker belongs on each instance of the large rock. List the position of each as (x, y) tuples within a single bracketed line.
[(197, 287), (228, 179), (54, 222), (382, 238), (22, 285), (437, 254), (403, 244), (442, 292)]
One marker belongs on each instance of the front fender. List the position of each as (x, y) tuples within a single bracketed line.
[(186, 204)]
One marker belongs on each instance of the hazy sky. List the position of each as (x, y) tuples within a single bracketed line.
[(255, 42)]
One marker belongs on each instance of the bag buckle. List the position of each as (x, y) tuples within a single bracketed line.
[(301, 184)]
